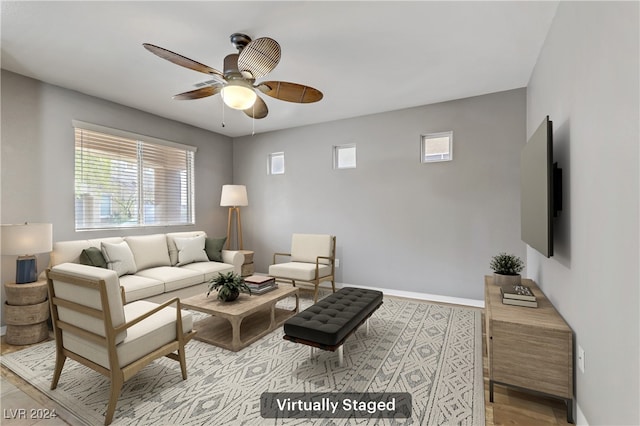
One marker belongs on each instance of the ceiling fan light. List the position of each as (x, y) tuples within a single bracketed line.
[(238, 96)]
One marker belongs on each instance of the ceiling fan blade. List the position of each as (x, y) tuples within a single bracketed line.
[(290, 92), (199, 93), (259, 57), (181, 60), (258, 110)]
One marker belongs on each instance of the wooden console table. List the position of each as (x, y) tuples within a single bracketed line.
[(528, 348)]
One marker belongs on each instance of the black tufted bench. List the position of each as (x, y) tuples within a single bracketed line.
[(328, 323)]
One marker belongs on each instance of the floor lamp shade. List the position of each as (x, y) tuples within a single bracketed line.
[(234, 196), (25, 240)]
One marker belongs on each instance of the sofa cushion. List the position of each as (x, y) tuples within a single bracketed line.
[(149, 250), (137, 287), (173, 277), (210, 269), (191, 250), (171, 243), (149, 334), (92, 256), (213, 247), (119, 258), (298, 270)]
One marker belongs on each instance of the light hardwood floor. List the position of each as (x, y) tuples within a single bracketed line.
[(511, 407)]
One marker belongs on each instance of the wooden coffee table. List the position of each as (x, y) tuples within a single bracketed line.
[(235, 325)]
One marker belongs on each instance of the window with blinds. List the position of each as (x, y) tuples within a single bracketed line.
[(126, 180)]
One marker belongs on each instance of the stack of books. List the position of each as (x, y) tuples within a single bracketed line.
[(519, 295), (260, 284)]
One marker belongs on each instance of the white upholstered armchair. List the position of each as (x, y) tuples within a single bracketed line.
[(93, 327), (311, 260)]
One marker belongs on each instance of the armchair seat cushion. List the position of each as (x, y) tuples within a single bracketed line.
[(153, 332), (299, 270)]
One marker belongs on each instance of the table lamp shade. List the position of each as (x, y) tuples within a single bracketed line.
[(25, 240), (233, 196)]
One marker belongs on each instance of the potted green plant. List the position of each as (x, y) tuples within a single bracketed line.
[(229, 286), (506, 268)]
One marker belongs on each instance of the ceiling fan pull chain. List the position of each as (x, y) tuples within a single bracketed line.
[(222, 94)]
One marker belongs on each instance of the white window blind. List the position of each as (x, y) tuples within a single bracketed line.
[(122, 181)]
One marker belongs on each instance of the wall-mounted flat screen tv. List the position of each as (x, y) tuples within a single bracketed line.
[(540, 190)]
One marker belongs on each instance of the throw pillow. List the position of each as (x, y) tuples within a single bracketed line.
[(213, 247), (93, 257), (119, 258), (149, 250), (191, 250)]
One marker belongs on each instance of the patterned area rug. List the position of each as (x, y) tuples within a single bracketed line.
[(432, 351)]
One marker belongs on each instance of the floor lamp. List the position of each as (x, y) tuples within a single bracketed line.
[(234, 196)]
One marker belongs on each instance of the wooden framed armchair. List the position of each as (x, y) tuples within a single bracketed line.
[(312, 260), (93, 327)]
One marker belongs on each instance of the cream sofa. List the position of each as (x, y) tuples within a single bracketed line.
[(160, 263)]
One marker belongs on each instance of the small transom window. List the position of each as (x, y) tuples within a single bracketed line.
[(436, 147), (275, 164), (344, 157)]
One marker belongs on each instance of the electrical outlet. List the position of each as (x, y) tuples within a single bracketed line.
[(581, 359), (337, 263)]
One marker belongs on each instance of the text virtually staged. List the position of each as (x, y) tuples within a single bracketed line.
[(335, 405)]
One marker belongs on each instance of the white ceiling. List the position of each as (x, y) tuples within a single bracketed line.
[(366, 57)]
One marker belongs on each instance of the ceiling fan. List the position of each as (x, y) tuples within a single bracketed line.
[(237, 84)]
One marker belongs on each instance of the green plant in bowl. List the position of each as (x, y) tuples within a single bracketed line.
[(506, 268), (229, 286)]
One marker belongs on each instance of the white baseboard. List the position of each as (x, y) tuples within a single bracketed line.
[(420, 296), (580, 419)]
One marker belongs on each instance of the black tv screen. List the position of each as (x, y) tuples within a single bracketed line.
[(540, 190)]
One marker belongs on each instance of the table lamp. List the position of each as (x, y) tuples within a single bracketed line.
[(25, 240), (234, 196)]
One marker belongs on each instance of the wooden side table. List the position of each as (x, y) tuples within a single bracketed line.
[(26, 313), (247, 267)]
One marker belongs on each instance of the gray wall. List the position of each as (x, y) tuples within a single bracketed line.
[(400, 224), (586, 79), (38, 161)]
